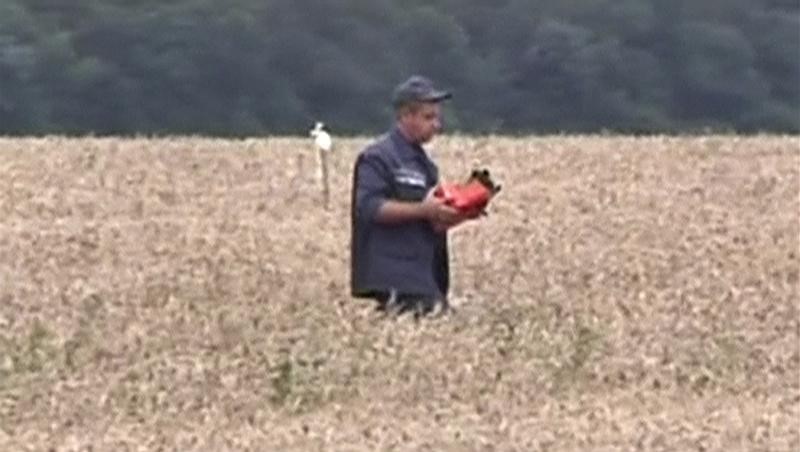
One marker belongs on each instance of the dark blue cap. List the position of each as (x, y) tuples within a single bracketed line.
[(417, 89)]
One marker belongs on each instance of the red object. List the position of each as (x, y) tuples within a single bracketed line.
[(472, 196)]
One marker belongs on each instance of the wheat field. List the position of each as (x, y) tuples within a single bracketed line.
[(191, 294)]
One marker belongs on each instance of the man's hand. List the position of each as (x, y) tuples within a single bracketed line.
[(443, 216), (432, 208), (436, 211)]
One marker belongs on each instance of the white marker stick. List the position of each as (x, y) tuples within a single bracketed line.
[(323, 159)]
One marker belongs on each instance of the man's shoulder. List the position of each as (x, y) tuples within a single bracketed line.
[(379, 147), (381, 142)]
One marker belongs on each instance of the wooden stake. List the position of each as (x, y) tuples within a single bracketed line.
[(323, 159)]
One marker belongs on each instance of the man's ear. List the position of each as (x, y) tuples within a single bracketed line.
[(400, 115)]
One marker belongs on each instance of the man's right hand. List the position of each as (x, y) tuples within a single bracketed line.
[(431, 208), (439, 213)]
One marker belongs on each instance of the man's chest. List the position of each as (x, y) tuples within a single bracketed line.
[(413, 178)]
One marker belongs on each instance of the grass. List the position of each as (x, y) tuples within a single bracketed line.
[(191, 294)]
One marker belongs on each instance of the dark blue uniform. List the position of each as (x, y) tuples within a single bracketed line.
[(411, 257)]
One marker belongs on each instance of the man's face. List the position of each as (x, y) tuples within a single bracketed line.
[(422, 123)]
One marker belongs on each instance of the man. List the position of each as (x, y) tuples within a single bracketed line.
[(399, 229)]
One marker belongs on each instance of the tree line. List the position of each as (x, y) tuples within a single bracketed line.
[(256, 67)]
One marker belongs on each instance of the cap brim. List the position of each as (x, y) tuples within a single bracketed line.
[(435, 96), (438, 96)]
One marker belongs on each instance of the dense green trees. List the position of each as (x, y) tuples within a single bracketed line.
[(245, 67)]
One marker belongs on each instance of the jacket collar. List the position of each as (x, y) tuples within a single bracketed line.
[(405, 146), (408, 150)]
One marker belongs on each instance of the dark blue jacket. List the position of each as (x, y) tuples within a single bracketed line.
[(410, 257)]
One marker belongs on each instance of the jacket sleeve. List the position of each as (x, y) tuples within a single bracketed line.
[(373, 185)]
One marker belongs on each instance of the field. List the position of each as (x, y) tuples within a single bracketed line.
[(191, 294)]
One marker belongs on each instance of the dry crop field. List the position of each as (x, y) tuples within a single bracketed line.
[(191, 294)]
